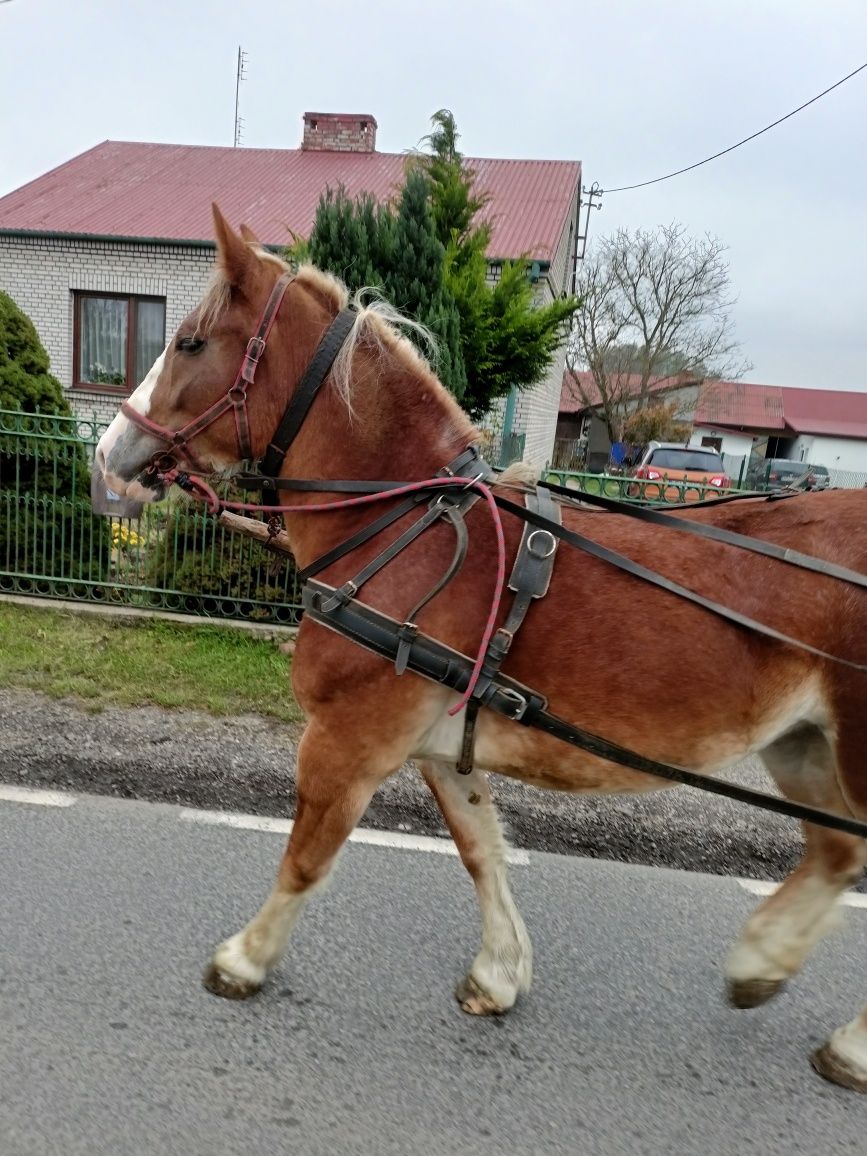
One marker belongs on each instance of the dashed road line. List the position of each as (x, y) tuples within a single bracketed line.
[(766, 887), (38, 798), (396, 840)]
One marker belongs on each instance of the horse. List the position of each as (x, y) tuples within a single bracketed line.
[(727, 692)]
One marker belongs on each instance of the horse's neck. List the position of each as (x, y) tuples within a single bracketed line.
[(402, 425)]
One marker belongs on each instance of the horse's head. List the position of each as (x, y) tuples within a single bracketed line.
[(202, 366)]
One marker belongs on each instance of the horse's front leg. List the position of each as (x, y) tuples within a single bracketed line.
[(335, 785), (504, 966)]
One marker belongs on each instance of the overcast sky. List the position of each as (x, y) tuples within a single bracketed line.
[(632, 89)]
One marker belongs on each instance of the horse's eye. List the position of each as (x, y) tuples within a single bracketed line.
[(191, 344)]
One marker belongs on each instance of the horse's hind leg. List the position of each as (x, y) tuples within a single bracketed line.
[(333, 793), (786, 927), (504, 966)]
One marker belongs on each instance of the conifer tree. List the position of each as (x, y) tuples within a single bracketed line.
[(46, 527)]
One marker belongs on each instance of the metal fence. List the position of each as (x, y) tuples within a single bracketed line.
[(626, 489), (174, 557)]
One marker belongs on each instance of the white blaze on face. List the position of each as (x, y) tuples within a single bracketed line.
[(122, 434)]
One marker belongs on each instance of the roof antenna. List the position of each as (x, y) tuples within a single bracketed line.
[(240, 75)]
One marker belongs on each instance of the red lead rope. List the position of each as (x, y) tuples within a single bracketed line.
[(200, 489)]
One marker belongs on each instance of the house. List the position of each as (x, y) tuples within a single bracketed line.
[(824, 427), (108, 252), (581, 433), (740, 419)]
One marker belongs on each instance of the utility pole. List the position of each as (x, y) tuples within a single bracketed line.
[(239, 76)]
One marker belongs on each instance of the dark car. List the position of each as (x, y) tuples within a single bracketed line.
[(778, 474), (820, 479)]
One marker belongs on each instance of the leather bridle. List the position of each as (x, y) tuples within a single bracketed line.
[(235, 399)]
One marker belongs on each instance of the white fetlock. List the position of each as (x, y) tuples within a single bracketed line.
[(747, 962), (231, 959)]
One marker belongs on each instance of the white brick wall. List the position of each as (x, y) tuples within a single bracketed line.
[(536, 409), (41, 275)]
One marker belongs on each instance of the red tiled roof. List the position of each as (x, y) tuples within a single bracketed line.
[(743, 404), (572, 399), (126, 189), (748, 405), (833, 412)]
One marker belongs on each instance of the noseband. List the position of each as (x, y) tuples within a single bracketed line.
[(235, 399)]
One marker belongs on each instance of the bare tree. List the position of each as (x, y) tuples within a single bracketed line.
[(656, 306)]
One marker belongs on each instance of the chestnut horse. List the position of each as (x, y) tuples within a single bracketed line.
[(727, 692)]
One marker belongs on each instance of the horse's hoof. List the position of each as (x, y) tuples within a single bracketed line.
[(833, 1067), (228, 986), (747, 993), (475, 1001)]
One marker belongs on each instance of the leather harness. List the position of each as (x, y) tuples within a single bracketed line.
[(403, 643)]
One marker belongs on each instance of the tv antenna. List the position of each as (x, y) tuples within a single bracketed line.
[(240, 75)]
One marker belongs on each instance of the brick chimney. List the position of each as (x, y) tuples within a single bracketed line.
[(339, 132)]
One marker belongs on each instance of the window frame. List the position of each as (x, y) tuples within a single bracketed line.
[(132, 300)]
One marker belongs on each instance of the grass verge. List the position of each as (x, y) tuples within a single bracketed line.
[(107, 663)]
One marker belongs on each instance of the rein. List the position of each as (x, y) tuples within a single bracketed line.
[(465, 480)]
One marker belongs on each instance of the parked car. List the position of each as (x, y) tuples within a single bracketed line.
[(779, 474), (821, 479), (698, 469)]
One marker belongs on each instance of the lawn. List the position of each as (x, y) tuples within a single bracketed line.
[(216, 668)]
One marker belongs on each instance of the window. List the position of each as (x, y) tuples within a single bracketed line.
[(117, 339)]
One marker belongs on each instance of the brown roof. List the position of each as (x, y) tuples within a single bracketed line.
[(162, 191), (748, 405), (743, 404)]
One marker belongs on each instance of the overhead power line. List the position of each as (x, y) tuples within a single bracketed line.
[(731, 148)]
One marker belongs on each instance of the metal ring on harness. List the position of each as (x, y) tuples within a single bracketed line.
[(542, 534)]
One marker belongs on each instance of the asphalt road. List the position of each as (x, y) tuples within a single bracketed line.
[(247, 763), (110, 1045)]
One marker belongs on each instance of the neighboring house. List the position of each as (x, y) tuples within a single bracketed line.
[(826, 427), (108, 252), (582, 432), (741, 419)]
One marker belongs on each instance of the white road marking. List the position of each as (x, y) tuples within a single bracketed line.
[(235, 819), (36, 797), (397, 840), (765, 887)]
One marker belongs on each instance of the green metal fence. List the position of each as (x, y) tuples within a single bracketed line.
[(174, 557), (627, 489)]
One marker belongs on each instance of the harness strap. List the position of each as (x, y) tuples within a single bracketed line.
[(305, 394), (530, 578), (468, 462), (621, 562), (379, 633), (717, 534)]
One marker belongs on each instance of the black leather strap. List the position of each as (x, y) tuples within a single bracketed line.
[(716, 533), (469, 463), (308, 387), (530, 578), (638, 571)]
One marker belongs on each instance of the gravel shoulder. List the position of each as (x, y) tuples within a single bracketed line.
[(247, 763)]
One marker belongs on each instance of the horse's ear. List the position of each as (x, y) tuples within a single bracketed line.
[(249, 236), (233, 255)]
